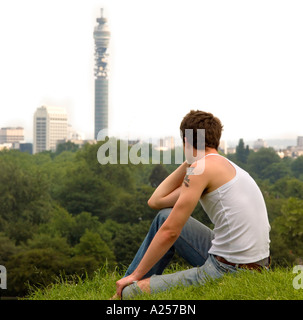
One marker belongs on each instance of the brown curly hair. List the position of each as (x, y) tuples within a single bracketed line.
[(202, 120)]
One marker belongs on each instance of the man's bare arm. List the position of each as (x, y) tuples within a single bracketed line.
[(168, 192), (170, 230)]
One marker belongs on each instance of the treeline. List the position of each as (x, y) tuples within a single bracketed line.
[(64, 213)]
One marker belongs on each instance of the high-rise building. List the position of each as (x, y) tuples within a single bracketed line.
[(300, 141), (260, 143), (11, 135), (50, 125), (102, 37)]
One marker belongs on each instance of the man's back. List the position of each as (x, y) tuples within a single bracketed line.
[(238, 211), (219, 170)]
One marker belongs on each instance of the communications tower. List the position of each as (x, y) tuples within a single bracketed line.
[(102, 37)]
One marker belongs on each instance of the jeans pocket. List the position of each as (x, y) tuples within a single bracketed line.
[(223, 267)]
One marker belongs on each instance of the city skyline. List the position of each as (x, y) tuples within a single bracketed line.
[(239, 60)]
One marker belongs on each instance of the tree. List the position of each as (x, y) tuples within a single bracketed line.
[(297, 167), (276, 171), (132, 207), (67, 146), (258, 162), (295, 188), (92, 245), (34, 267), (118, 175), (242, 152), (7, 248), (158, 174), (24, 198), (128, 241), (83, 190), (48, 241), (141, 196), (71, 227), (288, 187), (287, 238)]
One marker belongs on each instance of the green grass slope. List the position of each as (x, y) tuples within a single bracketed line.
[(269, 285)]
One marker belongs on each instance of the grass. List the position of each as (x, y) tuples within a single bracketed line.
[(275, 284)]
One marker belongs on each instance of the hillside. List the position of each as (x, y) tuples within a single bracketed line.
[(272, 285), (64, 213)]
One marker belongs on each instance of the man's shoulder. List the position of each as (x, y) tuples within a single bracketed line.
[(215, 169)]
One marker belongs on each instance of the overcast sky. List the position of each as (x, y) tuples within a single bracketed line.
[(241, 60)]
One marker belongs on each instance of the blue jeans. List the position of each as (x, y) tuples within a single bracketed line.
[(193, 245)]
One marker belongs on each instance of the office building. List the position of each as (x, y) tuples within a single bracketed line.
[(50, 126), (258, 144), (102, 37), (11, 135), (300, 141)]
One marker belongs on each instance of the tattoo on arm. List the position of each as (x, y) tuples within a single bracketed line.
[(186, 180)]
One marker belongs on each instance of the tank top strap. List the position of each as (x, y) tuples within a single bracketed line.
[(217, 154)]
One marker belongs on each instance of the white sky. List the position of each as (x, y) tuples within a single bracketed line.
[(241, 60)]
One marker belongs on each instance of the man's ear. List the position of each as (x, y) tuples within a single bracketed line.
[(185, 142)]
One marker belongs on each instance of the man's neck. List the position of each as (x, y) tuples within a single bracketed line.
[(210, 150)]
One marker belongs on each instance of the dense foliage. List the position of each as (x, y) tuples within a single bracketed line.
[(65, 213)]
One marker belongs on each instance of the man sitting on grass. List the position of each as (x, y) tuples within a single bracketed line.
[(229, 196)]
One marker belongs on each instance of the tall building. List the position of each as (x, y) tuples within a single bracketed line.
[(300, 141), (50, 125), (102, 37), (11, 135), (260, 143)]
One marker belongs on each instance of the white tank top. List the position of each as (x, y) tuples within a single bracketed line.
[(238, 212)]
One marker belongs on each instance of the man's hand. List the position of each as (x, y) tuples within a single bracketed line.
[(122, 283)]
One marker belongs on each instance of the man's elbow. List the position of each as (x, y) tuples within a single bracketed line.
[(153, 204), (170, 235)]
